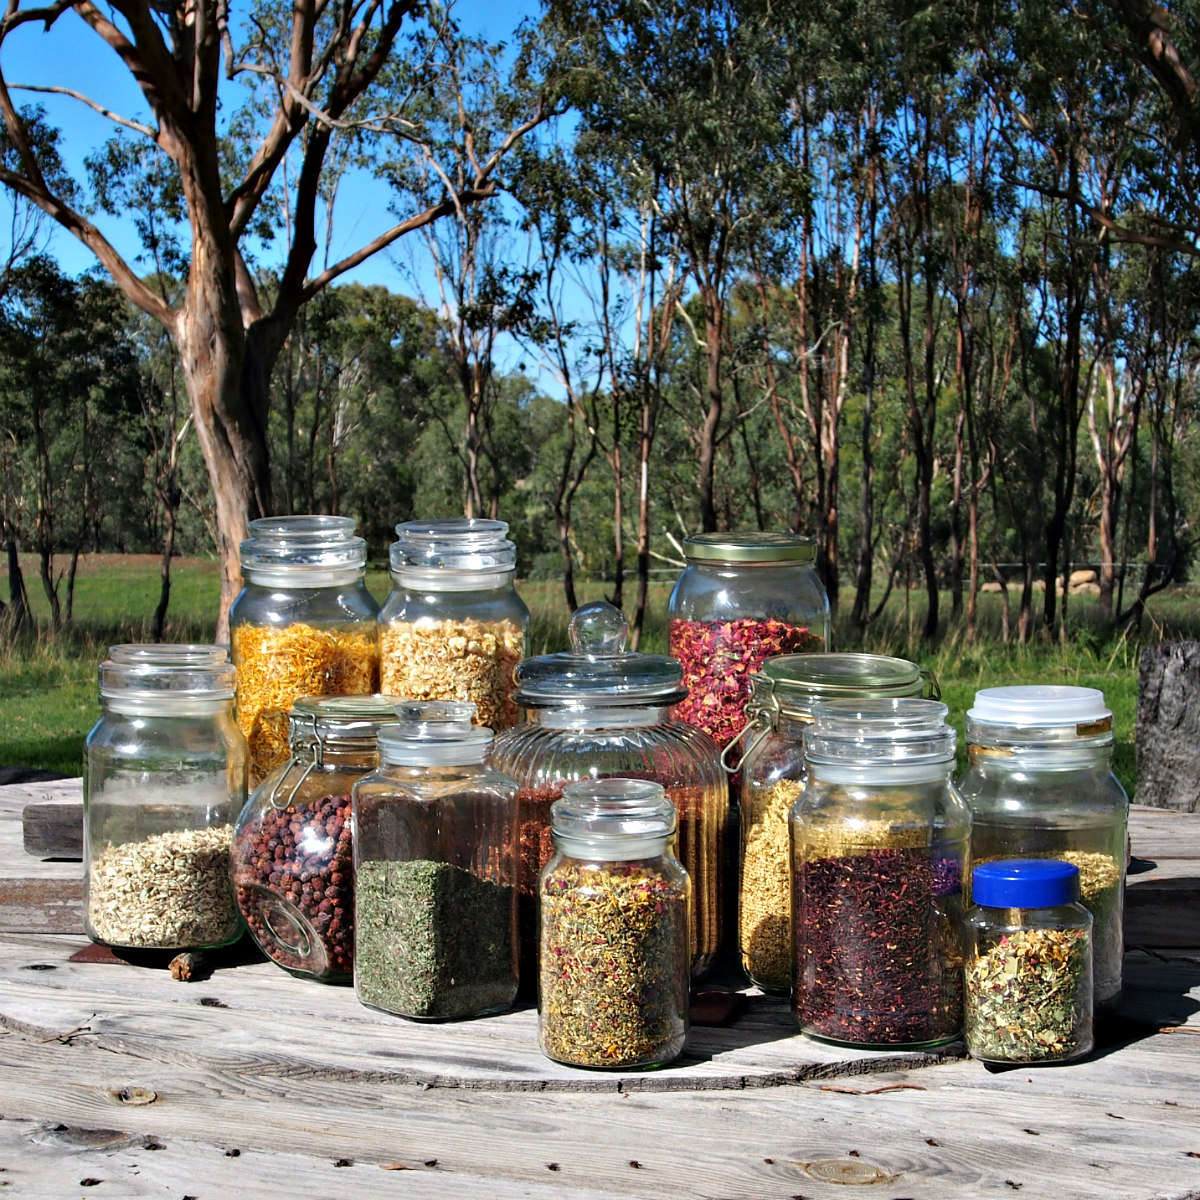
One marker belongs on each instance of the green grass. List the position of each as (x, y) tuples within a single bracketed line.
[(48, 681)]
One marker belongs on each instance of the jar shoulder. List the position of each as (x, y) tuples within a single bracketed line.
[(489, 607), (348, 603), (787, 591)]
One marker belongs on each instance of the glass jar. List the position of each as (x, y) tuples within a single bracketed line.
[(436, 865), (165, 776), (598, 711), (772, 775), (879, 855), (1040, 784), (303, 625), (454, 627), (293, 855), (742, 598), (613, 988), (1028, 963)]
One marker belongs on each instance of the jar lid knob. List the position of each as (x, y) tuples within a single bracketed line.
[(598, 630)]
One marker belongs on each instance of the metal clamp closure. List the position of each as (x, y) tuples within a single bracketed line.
[(762, 719), (933, 689), (318, 761)]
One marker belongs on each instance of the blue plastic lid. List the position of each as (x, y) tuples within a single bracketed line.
[(1025, 883)]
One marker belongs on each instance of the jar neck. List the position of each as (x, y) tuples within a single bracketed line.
[(1040, 756), (611, 849), (302, 578), (572, 717), (874, 774), (166, 706), (415, 581)]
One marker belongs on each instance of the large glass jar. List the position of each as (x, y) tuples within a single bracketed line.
[(303, 625), (454, 627), (165, 776), (1040, 784), (598, 711), (436, 865), (879, 856), (1028, 963), (613, 988), (742, 598), (772, 776), (293, 853)]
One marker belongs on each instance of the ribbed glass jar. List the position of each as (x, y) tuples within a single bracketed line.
[(293, 847), (613, 986), (598, 712), (879, 857), (742, 598), (773, 774), (304, 624), (1040, 784), (165, 775), (454, 627), (436, 869), (1028, 963)]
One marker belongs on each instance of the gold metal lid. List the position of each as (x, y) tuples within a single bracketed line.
[(750, 547)]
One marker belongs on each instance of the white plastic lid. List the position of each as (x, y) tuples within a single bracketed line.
[(1039, 706), (432, 733)]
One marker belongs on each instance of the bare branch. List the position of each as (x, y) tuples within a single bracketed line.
[(116, 118), (16, 16)]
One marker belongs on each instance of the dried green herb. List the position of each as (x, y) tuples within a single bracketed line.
[(1027, 997), (614, 965), (433, 940)]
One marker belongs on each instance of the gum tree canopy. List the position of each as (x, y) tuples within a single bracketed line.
[(329, 85)]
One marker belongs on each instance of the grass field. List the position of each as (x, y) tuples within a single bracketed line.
[(48, 681)]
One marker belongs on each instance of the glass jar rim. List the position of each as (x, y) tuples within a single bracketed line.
[(334, 720), (434, 733), (903, 730), (167, 673), (793, 683), (310, 542), (752, 546), (473, 545), (598, 809)]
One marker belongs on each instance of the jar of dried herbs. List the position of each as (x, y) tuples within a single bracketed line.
[(436, 869), (1028, 963), (599, 711), (293, 853), (302, 625), (165, 777), (1040, 784), (879, 853), (742, 598), (772, 776), (454, 627), (614, 956)]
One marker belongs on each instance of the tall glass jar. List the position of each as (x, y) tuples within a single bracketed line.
[(613, 988), (599, 711), (165, 776), (742, 598), (1028, 963), (879, 856), (454, 627), (303, 625), (293, 852), (436, 863), (772, 776), (1040, 784)]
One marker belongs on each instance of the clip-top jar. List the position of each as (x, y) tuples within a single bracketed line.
[(773, 775), (303, 625), (742, 598), (454, 627), (436, 868), (1040, 784), (293, 853), (1028, 963), (879, 854), (165, 777), (599, 711), (613, 987)]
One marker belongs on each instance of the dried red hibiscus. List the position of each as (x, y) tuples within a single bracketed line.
[(718, 659)]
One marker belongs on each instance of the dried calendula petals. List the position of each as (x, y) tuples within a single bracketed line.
[(278, 666), (454, 660)]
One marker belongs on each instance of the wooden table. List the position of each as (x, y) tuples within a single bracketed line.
[(119, 1081)]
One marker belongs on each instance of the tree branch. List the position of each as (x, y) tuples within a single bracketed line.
[(1149, 24), (116, 118)]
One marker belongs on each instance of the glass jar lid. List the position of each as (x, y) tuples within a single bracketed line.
[(453, 555), (167, 674), (904, 731), (1025, 883), (302, 549), (750, 547), (792, 683), (598, 670), (628, 818), (1039, 713), (434, 733), (332, 720)]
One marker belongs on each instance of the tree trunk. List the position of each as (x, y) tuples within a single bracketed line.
[(164, 591), (713, 333), (18, 596)]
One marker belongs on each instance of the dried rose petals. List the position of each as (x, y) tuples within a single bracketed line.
[(718, 659)]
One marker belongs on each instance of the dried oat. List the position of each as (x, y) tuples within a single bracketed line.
[(454, 660), (170, 891), (277, 667)]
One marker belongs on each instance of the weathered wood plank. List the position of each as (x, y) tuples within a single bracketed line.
[(53, 828)]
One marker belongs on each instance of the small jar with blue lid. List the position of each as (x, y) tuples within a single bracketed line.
[(1028, 963)]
